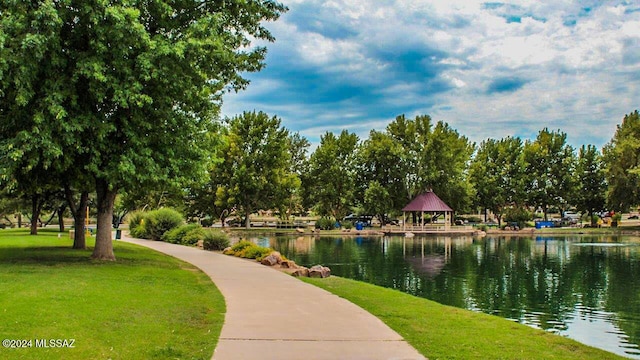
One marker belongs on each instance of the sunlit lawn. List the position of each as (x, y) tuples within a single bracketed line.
[(444, 332), (145, 305)]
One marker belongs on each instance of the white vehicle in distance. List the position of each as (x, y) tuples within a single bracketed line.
[(571, 217)]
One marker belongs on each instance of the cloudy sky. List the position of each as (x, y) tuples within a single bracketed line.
[(489, 69)]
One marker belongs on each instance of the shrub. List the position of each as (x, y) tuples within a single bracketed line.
[(215, 240), (136, 224), (138, 232), (193, 236), (176, 235), (135, 218), (347, 225), (324, 224), (241, 245), (517, 215), (256, 252), (160, 221), (207, 222), (249, 250)]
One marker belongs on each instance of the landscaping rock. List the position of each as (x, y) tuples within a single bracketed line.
[(200, 244), (272, 259), (301, 272), (319, 271), (289, 264), (300, 230)]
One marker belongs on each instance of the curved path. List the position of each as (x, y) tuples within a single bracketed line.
[(272, 315)]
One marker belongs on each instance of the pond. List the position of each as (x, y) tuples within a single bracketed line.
[(585, 288)]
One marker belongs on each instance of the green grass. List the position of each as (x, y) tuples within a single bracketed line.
[(443, 332), (621, 230), (143, 306)]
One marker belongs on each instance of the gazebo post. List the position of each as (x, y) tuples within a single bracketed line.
[(404, 221)]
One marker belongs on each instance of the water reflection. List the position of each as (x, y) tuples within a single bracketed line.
[(586, 288)]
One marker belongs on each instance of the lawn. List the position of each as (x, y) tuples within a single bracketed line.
[(144, 305), (443, 332)]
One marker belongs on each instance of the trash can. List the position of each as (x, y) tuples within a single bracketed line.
[(359, 226), (118, 234)]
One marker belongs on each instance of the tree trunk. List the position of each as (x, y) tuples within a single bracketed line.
[(79, 213), (50, 219), (19, 220), (79, 220), (247, 221), (105, 200), (36, 206), (61, 218)]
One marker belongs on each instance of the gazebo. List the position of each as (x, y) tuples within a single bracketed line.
[(429, 203)]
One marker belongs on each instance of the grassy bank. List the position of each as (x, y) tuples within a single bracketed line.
[(443, 332), (145, 305)]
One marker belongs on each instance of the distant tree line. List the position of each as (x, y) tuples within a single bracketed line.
[(263, 166)]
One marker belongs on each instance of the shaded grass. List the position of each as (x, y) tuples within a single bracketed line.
[(145, 305), (443, 332)]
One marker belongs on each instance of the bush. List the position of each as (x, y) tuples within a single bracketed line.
[(176, 235), (324, 224), (517, 215), (256, 252), (249, 250), (160, 221), (136, 224), (347, 225), (135, 218), (193, 236), (215, 240), (241, 245)]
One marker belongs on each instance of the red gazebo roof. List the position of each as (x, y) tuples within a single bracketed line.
[(428, 201)]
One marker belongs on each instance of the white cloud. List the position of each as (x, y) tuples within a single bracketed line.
[(565, 67)]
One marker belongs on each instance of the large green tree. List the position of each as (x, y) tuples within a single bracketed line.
[(380, 167), (298, 147), (257, 164), (497, 174), (330, 182), (130, 86), (434, 158), (550, 163), (622, 159), (590, 195), (377, 201)]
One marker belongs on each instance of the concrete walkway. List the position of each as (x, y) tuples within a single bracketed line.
[(272, 315)]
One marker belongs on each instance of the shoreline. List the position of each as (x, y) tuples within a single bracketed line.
[(527, 232)]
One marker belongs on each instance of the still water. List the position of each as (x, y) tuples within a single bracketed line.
[(585, 288)]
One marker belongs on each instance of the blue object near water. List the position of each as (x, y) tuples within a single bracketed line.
[(544, 224)]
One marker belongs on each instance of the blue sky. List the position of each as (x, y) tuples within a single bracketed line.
[(489, 69)]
